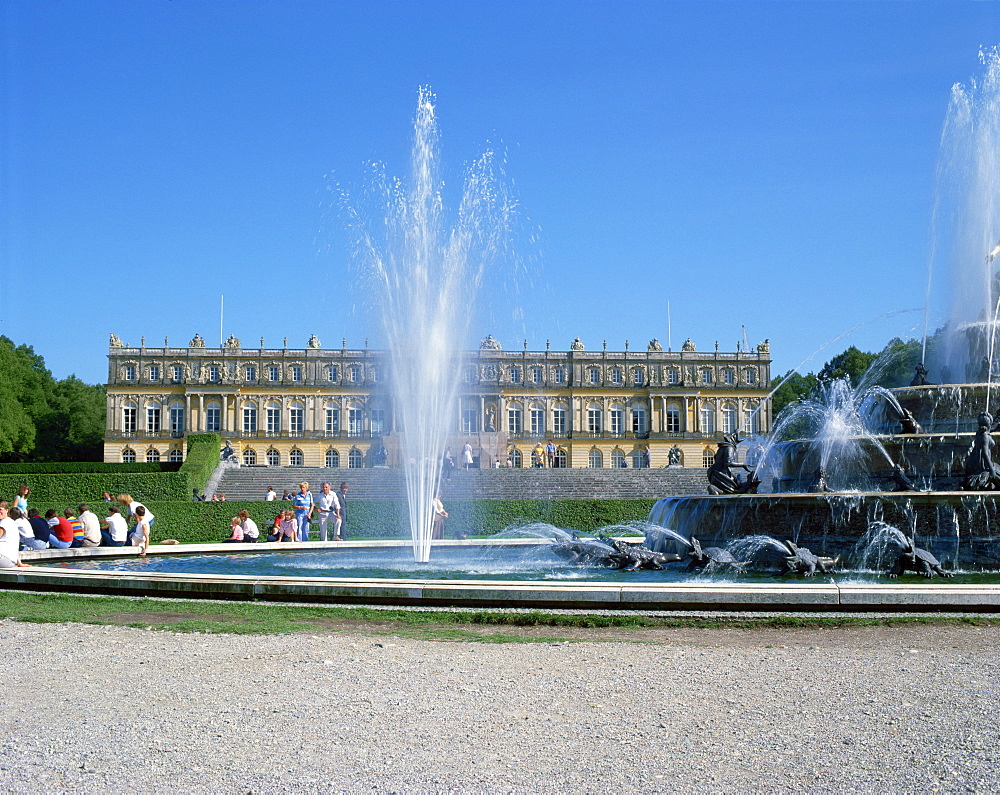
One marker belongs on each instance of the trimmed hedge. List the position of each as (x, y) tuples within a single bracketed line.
[(208, 522), (65, 485)]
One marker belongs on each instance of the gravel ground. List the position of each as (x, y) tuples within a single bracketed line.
[(881, 709)]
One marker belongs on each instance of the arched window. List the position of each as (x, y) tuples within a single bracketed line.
[(175, 457), (595, 460), (213, 417), (177, 418), (153, 417), (673, 418), (618, 459), (514, 458), (249, 457), (514, 419), (130, 413), (296, 418), (273, 458), (272, 414), (729, 416), (594, 417), (295, 458), (559, 462), (152, 455), (332, 458), (640, 459), (751, 419), (355, 419), (616, 419), (331, 419), (354, 459), (640, 424), (707, 457), (250, 417), (536, 419), (128, 456), (560, 414), (707, 418)]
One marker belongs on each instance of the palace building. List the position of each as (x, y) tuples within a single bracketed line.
[(331, 407)]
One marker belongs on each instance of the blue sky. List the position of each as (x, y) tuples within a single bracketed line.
[(760, 164)]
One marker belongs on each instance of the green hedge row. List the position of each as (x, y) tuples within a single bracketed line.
[(75, 467), (208, 522), (64, 485)]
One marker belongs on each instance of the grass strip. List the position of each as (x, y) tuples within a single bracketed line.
[(179, 615)]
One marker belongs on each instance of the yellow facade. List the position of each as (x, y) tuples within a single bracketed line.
[(316, 406)]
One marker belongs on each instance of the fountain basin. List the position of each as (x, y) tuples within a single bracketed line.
[(695, 593)]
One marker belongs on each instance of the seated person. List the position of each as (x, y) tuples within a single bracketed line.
[(235, 532), (285, 529), (250, 532), (117, 529), (25, 531), (39, 526), (79, 531), (61, 535)]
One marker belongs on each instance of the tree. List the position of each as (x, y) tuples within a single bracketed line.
[(852, 363)]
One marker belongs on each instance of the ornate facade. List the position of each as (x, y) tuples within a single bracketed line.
[(318, 406)]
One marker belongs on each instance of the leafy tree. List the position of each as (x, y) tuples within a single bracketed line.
[(852, 363), (790, 388)]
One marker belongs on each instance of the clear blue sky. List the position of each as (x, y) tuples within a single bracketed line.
[(766, 164)]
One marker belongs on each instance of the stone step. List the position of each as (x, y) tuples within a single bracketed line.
[(250, 483)]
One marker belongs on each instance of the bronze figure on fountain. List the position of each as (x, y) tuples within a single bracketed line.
[(721, 479)]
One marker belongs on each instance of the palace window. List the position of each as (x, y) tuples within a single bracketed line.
[(354, 373), (559, 375), (595, 460), (331, 420), (639, 422), (213, 373), (616, 376), (728, 377), (706, 376), (213, 418), (296, 418), (295, 458), (175, 457), (594, 374), (249, 457), (354, 459), (618, 459), (673, 418), (470, 420), (273, 373), (616, 419), (129, 418), (374, 373), (250, 373), (594, 418), (130, 372), (707, 418), (514, 419), (178, 373), (559, 462), (638, 377), (673, 376), (750, 376), (515, 458), (751, 419), (152, 455), (639, 460), (377, 417), (177, 418), (471, 374), (273, 458), (153, 418), (559, 419), (536, 419), (332, 459), (296, 373), (250, 418), (536, 375), (272, 414), (332, 372), (154, 372), (707, 457), (515, 375), (355, 420), (729, 417), (128, 456)]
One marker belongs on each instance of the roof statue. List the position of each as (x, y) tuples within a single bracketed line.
[(232, 342), (688, 346), (197, 342), (314, 341), (577, 345), (765, 346), (654, 346), (490, 344), (115, 341)]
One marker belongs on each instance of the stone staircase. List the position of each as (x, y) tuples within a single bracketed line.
[(250, 483)]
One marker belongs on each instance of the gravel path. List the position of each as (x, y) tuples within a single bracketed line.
[(884, 709)]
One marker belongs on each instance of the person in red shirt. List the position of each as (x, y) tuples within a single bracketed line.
[(62, 531)]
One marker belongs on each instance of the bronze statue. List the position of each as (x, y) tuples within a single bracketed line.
[(721, 479)]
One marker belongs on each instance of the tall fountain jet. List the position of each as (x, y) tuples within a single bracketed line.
[(426, 266), (967, 225)]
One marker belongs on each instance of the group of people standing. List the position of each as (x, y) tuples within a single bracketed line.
[(329, 506)]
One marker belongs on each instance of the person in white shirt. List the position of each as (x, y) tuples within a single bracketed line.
[(10, 539), (91, 526), (140, 533), (251, 534), (329, 512), (271, 495), (117, 532), (26, 535)]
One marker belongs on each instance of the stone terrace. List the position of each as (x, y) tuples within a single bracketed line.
[(250, 483)]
